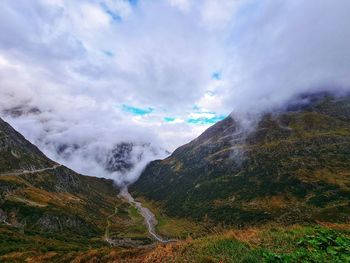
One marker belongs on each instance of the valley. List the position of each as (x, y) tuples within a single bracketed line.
[(149, 218), (279, 194), (174, 131)]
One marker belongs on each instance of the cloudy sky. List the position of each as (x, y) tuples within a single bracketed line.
[(161, 71)]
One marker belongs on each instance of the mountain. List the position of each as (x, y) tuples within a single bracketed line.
[(104, 158), (45, 206), (17, 153), (126, 155), (293, 166)]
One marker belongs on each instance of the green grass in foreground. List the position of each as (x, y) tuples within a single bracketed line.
[(269, 244), (294, 244), (321, 245)]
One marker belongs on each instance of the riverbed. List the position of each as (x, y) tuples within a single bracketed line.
[(149, 218)]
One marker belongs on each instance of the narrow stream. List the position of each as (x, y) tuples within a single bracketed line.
[(150, 220)]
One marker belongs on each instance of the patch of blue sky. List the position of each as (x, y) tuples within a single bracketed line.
[(210, 93), (108, 53), (205, 120), (196, 108), (116, 17), (216, 75), (133, 2), (136, 111), (169, 119)]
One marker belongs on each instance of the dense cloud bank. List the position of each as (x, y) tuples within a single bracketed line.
[(68, 67), (289, 48)]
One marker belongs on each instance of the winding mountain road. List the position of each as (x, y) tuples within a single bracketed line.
[(32, 171), (149, 217), (150, 220)]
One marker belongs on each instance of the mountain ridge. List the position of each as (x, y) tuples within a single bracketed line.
[(45, 206), (227, 184), (293, 167), (18, 153)]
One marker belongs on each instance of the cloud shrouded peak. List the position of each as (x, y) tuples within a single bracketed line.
[(86, 76)]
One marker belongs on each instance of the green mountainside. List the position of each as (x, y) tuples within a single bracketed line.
[(46, 207), (293, 167), (224, 197), (16, 153)]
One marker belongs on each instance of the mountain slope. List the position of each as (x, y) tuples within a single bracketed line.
[(93, 152), (294, 167), (46, 206), (16, 153)]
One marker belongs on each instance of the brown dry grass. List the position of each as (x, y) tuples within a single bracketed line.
[(178, 251), (268, 203), (249, 235), (111, 255), (41, 258), (166, 253), (335, 226)]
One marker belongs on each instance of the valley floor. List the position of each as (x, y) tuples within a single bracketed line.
[(123, 226), (125, 237)]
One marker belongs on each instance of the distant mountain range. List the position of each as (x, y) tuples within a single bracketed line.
[(292, 166)]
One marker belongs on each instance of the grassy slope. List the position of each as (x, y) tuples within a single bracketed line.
[(16, 153), (293, 168), (296, 243), (269, 244), (39, 216), (57, 210), (171, 227)]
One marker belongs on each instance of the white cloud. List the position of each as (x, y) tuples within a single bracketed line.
[(216, 14), (92, 17), (121, 8), (80, 61), (286, 48), (183, 5)]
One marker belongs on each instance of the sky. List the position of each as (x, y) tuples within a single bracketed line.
[(101, 72)]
